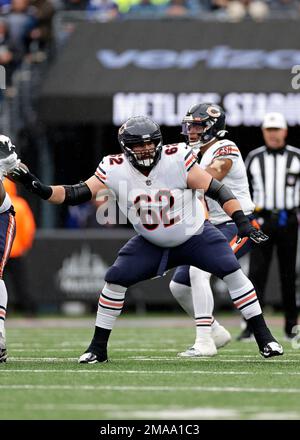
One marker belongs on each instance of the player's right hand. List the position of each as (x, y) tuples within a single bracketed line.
[(22, 175)]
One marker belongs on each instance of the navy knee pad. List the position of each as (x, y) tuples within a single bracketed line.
[(115, 275)]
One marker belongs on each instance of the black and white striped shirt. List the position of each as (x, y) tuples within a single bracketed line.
[(274, 177)]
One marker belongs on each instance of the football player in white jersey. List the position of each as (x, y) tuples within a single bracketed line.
[(204, 127), (156, 187), (8, 161)]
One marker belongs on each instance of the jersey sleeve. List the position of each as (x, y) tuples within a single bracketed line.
[(179, 157), (186, 159), (190, 159), (102, 171), (226, 150), (184, 154)]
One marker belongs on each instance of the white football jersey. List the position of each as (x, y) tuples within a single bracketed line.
[(159, 206), (6, 203), (236, 179)]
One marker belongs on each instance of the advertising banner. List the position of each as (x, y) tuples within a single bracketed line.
[(109, 71)]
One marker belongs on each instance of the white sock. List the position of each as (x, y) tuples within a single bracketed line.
[(3, 306), (214, 323), (110, 305), (183, 295), (203, 328), (243, 294), (203, 301)]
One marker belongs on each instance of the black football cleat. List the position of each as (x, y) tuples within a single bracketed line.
[(3, 352), (92, 358), (3, 355), (271, 349)]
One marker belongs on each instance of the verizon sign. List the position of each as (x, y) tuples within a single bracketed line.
[(241, 108), (249, 67), (219, 57)]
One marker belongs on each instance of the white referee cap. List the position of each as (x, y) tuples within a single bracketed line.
[(274, 120)]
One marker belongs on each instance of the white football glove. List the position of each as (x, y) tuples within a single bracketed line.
[(8, 157)]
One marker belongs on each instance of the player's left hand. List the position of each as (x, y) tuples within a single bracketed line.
[(247, 230), (258, 236)]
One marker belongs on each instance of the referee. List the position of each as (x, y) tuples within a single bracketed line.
[(274, 180)]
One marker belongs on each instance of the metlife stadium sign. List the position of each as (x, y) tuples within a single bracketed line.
[(241, 108), (109, 71)]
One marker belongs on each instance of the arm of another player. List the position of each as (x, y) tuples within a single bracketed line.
[(200, 179), (219, 168), (58, 194)]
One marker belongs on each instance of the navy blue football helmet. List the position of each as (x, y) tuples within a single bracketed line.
[(139, 131), (207, 116)]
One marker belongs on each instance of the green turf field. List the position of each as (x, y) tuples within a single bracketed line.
[(144, 379)]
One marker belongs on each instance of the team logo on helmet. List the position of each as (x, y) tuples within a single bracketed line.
[(213, 112)]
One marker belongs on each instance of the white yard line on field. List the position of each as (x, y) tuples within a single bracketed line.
[(133, 388), (141, 350), (155, 412), (152, 372), (147, 413), (256, 359), (201, 414)]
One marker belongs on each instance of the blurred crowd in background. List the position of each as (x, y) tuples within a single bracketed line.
[(26, 26)]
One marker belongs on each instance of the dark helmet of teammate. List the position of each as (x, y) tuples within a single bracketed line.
[(141, 130), (210, 117)]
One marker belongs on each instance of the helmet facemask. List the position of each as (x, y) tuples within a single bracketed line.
[(141, 140), (202, 136), (142, 156), (210, 117)]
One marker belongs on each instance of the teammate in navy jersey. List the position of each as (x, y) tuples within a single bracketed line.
[(156, 187)]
